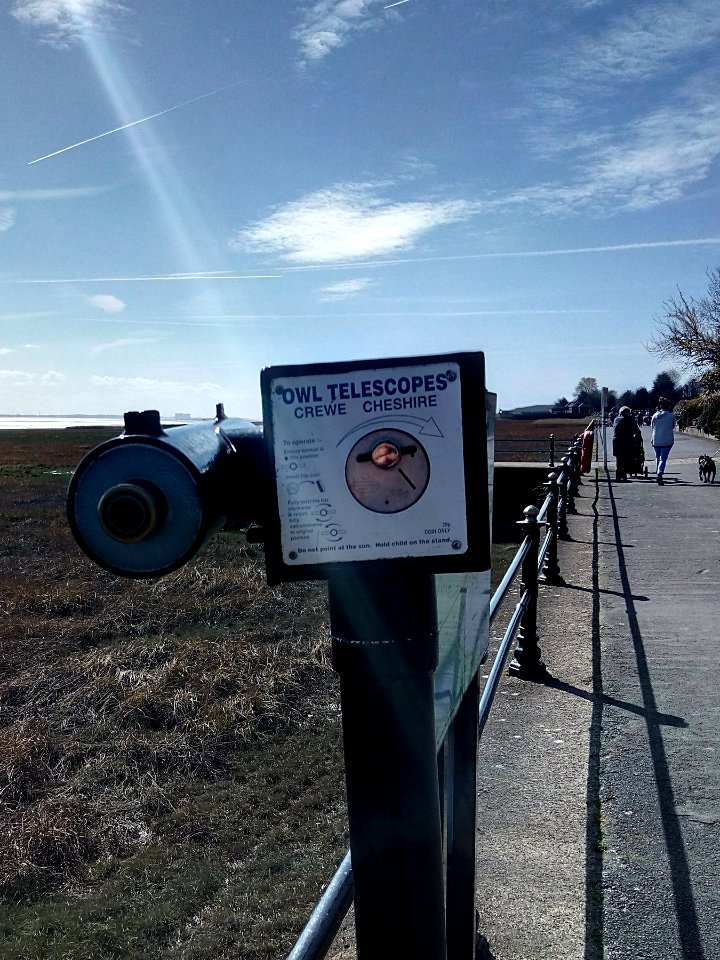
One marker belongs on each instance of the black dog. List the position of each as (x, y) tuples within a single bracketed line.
[(706, 469)]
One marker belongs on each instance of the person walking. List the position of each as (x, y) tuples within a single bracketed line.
[(662, 426), (627, 442)]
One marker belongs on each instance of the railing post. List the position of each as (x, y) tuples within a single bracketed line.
[(576, 454), (563, 532), (552, 450), (551, 568), (569, 486), (527, 661)]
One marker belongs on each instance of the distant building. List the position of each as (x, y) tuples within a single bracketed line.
[(182, 416), (540, 410), (573, 409), (527, 413)]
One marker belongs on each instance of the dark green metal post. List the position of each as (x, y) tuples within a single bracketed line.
[(527, 661), (551, 568), (569, 486), (384, 643)]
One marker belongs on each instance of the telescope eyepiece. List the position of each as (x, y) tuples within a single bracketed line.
[(142, 504), (131, 512)]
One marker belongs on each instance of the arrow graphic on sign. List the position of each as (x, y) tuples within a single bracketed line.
[(427, 428)]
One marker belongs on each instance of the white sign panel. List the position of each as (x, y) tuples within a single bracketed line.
[(369, 464), (463, 607)]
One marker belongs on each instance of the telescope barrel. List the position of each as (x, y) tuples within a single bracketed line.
[(143, 503)]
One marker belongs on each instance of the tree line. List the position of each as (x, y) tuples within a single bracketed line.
[(667, 383), (688, 333)]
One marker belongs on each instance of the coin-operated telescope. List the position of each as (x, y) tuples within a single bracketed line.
[(142, 504)]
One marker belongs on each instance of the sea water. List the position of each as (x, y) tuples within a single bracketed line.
[(57, 423)]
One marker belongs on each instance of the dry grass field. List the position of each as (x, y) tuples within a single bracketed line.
[(170, 764), (169, 751), (529, 440)]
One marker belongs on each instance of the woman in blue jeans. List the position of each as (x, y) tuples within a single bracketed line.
[(663, 436)]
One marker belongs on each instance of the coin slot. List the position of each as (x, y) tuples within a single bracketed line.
[(407, 451), (387, 471)]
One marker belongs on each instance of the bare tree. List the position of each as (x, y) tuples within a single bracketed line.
[(689, 330)]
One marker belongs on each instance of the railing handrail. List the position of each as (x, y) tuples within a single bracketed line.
[(320, 930), (504, 585)]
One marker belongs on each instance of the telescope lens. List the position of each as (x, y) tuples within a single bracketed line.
[(129, 513)]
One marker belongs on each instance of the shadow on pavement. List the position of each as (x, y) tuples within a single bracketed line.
[(611, 593), (663, 719), (685, 911), (594, 898)]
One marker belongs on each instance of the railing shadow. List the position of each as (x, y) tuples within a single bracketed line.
[(594, 897), (685, 910)]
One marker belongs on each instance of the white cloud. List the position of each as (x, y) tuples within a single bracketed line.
[(63, 20), (146, 383), (413, 168), (22, 378), (587, 4), (328, 25), (15, 377), (666, 152), (55, 193), (163, 277), (648, 162), (121, 344), (5, 350), (347, 222), (654, 52), (345, 288), (644, 39), (7, 218), (107, 303), (52, 377), (31, 346), (29, 315)]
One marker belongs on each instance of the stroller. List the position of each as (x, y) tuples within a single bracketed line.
[(634, 464)]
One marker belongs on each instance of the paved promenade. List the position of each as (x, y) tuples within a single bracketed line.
[(599, 828), (659, 579)]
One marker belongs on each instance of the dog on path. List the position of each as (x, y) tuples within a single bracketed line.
[(706, 469)]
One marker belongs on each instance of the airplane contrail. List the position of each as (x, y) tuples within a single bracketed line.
[(222, 275), (397, 4), (168, 277), (502, 255), (134, 123)]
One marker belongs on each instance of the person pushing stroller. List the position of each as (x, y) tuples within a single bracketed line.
[(627, 444)]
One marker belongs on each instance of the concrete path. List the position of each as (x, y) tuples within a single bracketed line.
[(658, 555), (599, 825)]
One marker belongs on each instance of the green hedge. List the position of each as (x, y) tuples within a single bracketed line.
[(687, 412), (709, 419), (703, 413)]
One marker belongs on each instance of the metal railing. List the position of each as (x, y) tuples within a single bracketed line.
[(540, 449), (537, 563)]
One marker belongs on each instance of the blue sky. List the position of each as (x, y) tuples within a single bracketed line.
[(191, 191)]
